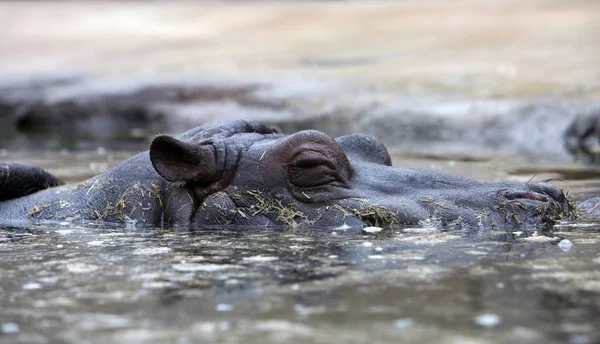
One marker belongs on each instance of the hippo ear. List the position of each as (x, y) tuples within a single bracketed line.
[(180, 161)]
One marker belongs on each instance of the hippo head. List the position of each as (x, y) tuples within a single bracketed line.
[(244, 173)]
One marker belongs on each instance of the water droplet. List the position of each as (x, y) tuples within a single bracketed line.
[(372, 230), (130, 224), (224, 307), (488, 320), (403, 323), (260, 259), (342, 227), (375, 256), (232, 281), (9, 327), (32, 286), (565, 245)]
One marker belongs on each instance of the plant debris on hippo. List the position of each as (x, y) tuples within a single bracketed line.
[(244, 173)]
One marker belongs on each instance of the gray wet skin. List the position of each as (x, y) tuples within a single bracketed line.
[(582, 137), (18, 180), (244, 173)]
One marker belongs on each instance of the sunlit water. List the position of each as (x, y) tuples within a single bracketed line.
[(99, 284)]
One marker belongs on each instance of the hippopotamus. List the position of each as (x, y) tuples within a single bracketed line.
[(244, 173), (18, 180), (582, 136)]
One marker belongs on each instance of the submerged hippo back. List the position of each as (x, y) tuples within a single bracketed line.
[(17, 180)]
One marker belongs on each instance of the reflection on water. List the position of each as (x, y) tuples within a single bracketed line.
[(227, 285), (316, 285)]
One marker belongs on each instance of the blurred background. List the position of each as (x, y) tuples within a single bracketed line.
[(459, 80)]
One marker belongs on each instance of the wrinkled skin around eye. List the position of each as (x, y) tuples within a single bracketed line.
[(311, 169)]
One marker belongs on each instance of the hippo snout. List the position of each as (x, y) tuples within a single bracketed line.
[(556, 194), (546, 199), (540, 192)]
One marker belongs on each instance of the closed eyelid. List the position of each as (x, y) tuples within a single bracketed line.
[(309, 159)]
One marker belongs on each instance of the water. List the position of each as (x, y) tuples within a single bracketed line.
[(102, 284)]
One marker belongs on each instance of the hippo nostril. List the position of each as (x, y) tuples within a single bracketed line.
[(555, 193), (534, 196)]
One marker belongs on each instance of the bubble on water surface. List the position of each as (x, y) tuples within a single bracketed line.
[(224, 307), (191, 267), (488, 320), (403, 323), (32, 286), (152, 250), (205, 328), (372, 230), (260, 259), (129, 224), (565, 245), (81, 268), (342, 227), (158, 285), (539, 238), (9, 327)]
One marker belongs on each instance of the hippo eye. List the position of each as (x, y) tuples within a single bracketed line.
[(311, 169), (312, 159)]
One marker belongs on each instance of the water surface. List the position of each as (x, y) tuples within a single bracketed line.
[(101, 284)]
